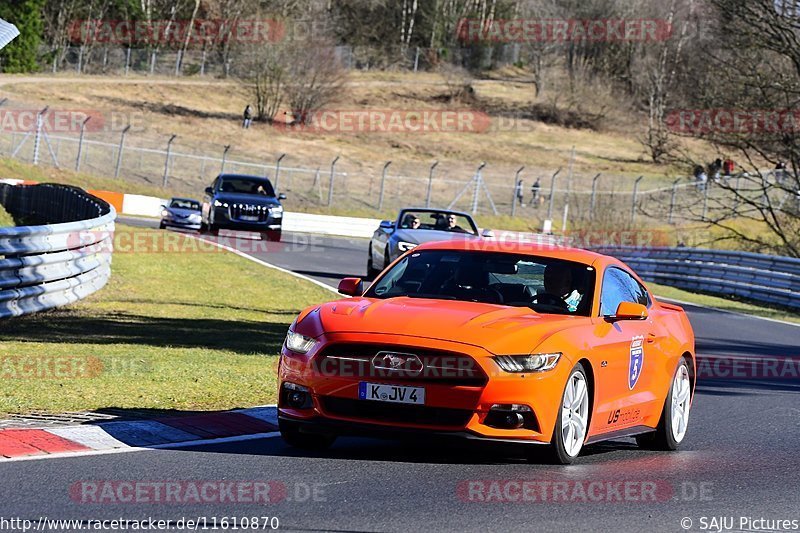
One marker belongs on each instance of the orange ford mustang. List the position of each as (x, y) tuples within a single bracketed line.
[(495, 341)]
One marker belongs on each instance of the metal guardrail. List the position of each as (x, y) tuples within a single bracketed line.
[(761, 278), (64, 258)]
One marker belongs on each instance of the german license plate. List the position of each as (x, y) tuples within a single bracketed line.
[(391, 393), (249, 218)]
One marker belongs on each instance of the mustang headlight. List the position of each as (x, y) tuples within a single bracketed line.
[(299, 343), (405, 246), (538, 362)]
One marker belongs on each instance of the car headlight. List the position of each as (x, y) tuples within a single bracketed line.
[(164, 213), (276, 209), (217, 203), (537, 362), (299, 343), (405, 246)]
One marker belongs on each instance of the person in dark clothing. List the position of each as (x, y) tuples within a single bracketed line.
[(535, 188), (247, 117)]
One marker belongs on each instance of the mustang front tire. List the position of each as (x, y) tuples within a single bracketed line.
[(572, 423)]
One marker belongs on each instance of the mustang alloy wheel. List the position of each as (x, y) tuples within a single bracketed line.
[(573, 419)]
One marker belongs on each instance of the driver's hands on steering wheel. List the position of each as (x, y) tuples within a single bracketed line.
[(547, 300)]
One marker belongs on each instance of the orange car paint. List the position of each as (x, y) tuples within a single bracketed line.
[(481, 330)]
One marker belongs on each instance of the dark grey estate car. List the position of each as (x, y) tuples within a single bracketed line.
[(245, 203)]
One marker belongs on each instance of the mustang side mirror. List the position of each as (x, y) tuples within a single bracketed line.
[(629, 311), (351, 287), (281, 196), (487, 234), (209, 191), (387, 224)]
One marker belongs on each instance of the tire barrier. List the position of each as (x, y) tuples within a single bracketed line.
[(62, 256)]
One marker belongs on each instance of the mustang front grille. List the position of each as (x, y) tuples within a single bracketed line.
[(374, 362)]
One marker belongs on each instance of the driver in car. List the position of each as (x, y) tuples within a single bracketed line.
[(558, 282), (452, 225)]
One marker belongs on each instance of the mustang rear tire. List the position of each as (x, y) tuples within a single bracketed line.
[(675, 416), (292, 435), (572, 423)]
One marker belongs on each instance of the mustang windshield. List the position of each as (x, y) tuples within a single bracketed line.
[(544, 284)]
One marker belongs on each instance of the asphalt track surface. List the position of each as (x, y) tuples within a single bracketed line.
[(739, 459)]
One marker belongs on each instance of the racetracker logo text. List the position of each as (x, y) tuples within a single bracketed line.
[(175, 32), (579, 491), (563, 30), (420, 121)]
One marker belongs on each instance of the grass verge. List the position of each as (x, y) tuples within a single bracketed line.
[(5, 218), (171, 331), (662, 291)]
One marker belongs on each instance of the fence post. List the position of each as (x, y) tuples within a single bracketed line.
[(416, 60), (166, 163), (633, 198), (203, 64), (383, 185), (430, 184), (224, 158), (152, 62), (594, 196), (552, 195), (278, 169), (37, 139), (705, 201), (127, 60), (330, 184), (478, 184), (672, 200), (80, 145), (121, 150), (178, 62), (80, 60), (514, 192)]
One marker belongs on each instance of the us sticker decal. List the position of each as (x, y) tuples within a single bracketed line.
[(637, 359)]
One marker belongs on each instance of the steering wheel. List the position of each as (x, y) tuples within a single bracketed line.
[(549, 302)]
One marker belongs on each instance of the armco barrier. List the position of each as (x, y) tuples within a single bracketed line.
[(757, 277), (64, 259)]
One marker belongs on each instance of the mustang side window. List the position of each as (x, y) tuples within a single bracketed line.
[(618, 287)]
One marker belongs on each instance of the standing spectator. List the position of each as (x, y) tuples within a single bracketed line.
[(700, 178), (780, 172), (714, 170), (535, 188), (519, 192), (248, 117), (728, 166)]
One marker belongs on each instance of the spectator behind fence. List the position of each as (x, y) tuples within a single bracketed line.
[(535, 188), (247, 117), (714, 170), (700, 178), (519, 193)]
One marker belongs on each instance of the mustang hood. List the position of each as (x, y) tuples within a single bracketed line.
[(499, 329)]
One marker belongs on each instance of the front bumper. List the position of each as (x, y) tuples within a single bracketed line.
[(180, 223), (462, 408), (223, 220)]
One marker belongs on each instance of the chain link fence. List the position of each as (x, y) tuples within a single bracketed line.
[(368, 188)]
